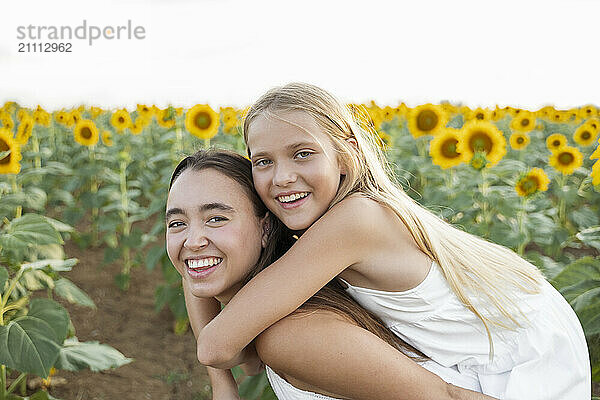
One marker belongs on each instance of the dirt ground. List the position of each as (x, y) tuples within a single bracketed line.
[(164, 366)]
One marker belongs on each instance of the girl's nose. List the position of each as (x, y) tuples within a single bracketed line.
[(284, 176)]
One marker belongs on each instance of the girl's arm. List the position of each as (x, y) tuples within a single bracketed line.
[(340, 238), (325, 353), (200, 312)]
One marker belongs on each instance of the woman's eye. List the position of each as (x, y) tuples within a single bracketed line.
[(175, 224), (217, 219), (262, 163)]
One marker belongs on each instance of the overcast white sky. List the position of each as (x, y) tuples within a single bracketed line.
[(525, 53)]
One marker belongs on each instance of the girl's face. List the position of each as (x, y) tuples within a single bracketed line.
[(213, 235), (295, 167)]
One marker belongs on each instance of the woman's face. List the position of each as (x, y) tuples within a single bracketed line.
[(213, 236)]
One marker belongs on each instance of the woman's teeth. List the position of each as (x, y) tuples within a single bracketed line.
[(204, 263), (293, 197)]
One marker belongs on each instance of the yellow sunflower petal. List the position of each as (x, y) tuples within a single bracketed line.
[(556, 141), (566, 159), (202, 121), (9, 163), (427, 119), (585, 135), (519, 140), (86, 132), (534, 181), (482, 137), (120, 120), (443, 149)]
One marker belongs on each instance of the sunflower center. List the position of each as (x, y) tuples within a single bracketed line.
[(530, 184), (86, 132), (525, 122), (427, 120), (566, 158), (202, 120), (480, 141), (4, 147), (479, 116), (556, 143), (520, 140), (449, 148), (121, 120), (585, 135)]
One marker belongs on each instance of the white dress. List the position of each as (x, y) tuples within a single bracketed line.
[(546, 358), (286, 391)]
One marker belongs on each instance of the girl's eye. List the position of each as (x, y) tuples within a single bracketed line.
[(217, 219), (262, 163), (303, 154), (175, 224)]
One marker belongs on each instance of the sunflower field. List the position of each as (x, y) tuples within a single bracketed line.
[(529, 180)]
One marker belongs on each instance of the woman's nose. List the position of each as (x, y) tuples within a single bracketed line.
[(196, 240)]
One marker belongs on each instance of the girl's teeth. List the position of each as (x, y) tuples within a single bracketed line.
[(293, 197)]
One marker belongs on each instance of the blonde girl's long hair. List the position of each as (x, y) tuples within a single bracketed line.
[(483, 275)]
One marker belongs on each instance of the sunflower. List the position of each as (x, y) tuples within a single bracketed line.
[(61, 117), (73, 117), (523, 122), (534, 181), (594, 123), (24, 130), (596, 173), (22, 113), (229, 117), (497, 114), (426, 119), (566, 159), (145, 111), (107, 138), (6, 121), (138, 126), (480, 114), (121, 120), (585, 135), (41, 117), (9, 164), (560, 116), (85, 132), (443, 149), (201, 121), (588, 111), (95, 112), (482, 137), (519, 140), (555, 141), (166, 117), (401, 110)]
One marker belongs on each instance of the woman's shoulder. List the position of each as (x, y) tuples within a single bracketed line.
[(296, 333)]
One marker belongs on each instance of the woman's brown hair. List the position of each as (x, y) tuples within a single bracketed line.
[(332, 297)]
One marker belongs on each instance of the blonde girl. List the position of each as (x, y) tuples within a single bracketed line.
[(464, 302), (219, 234)]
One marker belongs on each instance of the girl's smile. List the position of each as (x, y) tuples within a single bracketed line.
[(294, 166)]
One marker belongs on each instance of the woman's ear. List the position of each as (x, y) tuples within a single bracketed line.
[(266, 230)]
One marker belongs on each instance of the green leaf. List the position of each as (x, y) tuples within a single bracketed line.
[(56, 265), (59, 226), (590, 237), (53, 314), (30, 229), (75, 356), (547, 265), (27, 344), (122, 281), (70, 292), (253, 386), (153, 256), (3, 278)]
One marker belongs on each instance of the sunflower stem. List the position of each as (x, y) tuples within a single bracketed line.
[(16, 189), (484, 189), (94, 190), (521, 217), (16, 383), (179, 141), (3, 391), (125, 219)]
